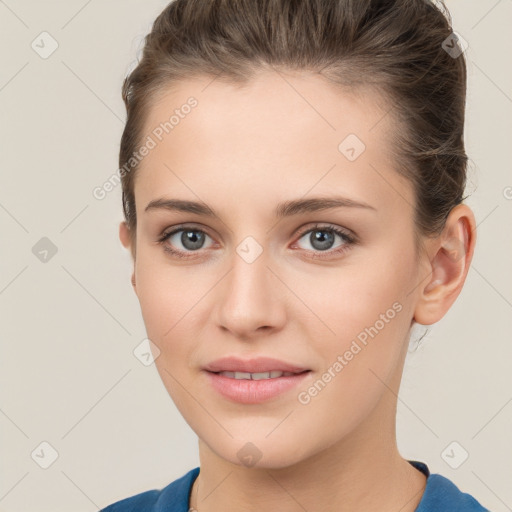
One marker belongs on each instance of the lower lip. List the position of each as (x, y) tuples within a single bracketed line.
[(248, 391)]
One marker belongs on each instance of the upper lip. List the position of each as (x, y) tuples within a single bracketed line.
[(256, 365)]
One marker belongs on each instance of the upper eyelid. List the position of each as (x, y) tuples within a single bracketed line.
[(328, 227), (177, 229)]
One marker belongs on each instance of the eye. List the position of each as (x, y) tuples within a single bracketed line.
[(321, 239), (183, 242), (191, 240)]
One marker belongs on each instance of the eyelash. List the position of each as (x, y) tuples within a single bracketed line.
[(349, 240)]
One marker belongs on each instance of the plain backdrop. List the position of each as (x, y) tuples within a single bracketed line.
[(72, 389)]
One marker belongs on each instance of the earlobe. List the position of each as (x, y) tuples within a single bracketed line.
[(451, 255)]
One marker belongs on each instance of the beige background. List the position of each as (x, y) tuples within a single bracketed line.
[(70, 324)]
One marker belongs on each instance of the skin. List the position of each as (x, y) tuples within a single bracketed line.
[(243, 150)]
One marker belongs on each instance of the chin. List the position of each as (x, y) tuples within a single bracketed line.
[(259, 454)]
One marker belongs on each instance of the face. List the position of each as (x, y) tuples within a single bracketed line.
[(324, 289)]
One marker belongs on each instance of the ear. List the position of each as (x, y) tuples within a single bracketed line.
[(126, 239), (449, 259)]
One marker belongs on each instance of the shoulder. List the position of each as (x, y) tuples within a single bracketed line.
[(442, 495), (172, 498)]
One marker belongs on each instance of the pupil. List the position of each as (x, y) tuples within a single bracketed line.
[(192, 239), (321, 240)]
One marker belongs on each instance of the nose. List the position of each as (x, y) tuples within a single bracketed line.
[(251, 300)]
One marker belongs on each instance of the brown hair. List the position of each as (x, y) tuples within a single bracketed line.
[(395, 46)]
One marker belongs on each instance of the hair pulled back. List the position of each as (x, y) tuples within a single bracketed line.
[(395, 46)]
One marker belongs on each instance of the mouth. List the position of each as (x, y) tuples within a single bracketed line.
[(273, 374), (253, 381)]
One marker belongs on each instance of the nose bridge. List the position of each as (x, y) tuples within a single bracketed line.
[(249, 299), (248, 279)]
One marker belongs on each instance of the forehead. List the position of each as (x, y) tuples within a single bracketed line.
[(278, 134), (271, 102)]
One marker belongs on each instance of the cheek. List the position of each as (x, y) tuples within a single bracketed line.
[(167, 294), (349, 301), (370, 320), (170, 303), (167, 299), (365, 313)]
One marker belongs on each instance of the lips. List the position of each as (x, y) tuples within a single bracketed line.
[(256, 365), (259, 387)]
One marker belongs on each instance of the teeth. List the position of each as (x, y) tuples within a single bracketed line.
[(256, 376)]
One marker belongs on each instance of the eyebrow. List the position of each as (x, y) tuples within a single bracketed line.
[(285, 209)]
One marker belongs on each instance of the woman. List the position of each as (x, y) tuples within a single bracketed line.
[(293, 176)]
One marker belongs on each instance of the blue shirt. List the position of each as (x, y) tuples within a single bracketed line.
[(440, 495)]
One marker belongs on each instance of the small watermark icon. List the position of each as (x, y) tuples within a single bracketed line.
[(351, 147), (454, 45), (249, 454), (44, 455), (454, 455), (146, 352), (44, 45), (249, 249), (454, 249), (44, 250)]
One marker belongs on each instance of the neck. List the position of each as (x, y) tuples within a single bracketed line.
[(362, 472)]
